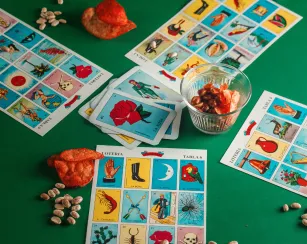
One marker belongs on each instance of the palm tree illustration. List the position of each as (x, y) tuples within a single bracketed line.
[(39, 70)]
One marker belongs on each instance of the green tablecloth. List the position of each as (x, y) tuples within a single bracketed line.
[(240, 207)]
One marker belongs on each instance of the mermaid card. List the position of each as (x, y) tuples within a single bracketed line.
[(46, 98)]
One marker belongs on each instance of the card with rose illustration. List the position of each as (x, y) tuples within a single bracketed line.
[(41, 81), (135, 117), (272, 143), (86, 111)]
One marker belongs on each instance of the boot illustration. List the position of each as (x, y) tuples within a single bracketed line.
[(135, 172)]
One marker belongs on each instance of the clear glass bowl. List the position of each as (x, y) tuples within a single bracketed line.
[(217, 74)]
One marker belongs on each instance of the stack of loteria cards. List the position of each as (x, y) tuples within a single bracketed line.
[(136, 108)]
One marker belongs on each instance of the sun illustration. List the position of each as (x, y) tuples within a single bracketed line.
[(18, 81)]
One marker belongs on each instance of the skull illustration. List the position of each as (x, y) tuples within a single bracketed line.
[(190, 238), (65, 85)]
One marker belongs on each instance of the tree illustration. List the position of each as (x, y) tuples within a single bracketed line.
[(39, 70)]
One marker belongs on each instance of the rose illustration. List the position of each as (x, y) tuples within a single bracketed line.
[(293, 178), (81, 71), (128, 111)]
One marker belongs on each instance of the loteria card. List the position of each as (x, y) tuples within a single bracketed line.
[(172, 132), (148, 195), (233, 32), (140, 83), (86, 111), (41, 81), (135, 117), (271, 145)]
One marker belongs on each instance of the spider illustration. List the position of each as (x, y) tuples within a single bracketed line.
[(191, 207)]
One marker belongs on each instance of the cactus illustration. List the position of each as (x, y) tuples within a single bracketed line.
[(102, 237)]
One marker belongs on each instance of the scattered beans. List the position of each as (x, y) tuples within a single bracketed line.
[(285, 208), (304, 222), (304, 216), (77, 200), (56, 220), (58, 212), (63, 21), (43, 15), (233, 242), (41, 21), (68, 197), (51, 193), (74, 214), (71, 220), (66, 203), (59, 185), (56, 191), (44, 196), (55, 23), (42, 27), (51, 18), (76, 208), (58, 206), (295, 205), (59, 200), (60, 1)]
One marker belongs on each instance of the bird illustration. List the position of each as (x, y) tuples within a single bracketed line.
[(193, 172)]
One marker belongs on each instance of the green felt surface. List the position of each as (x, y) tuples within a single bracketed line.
[(240, 207)]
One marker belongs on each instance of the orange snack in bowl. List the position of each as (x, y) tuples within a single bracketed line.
[(216, 100)]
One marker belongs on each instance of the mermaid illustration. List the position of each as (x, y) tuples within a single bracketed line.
[(51, 101)]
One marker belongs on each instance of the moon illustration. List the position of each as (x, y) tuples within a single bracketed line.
[(169, 173)]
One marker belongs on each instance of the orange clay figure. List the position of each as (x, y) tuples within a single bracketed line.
[(107, 21)]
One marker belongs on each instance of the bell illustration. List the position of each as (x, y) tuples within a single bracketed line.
[(267, 145), (261, 165)]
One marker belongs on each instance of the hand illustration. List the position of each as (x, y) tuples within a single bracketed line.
[(285, 110), (109, 169)]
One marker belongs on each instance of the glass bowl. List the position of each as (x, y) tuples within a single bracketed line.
[(217, 74)]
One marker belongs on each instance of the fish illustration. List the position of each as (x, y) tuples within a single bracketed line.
[(52, 51)]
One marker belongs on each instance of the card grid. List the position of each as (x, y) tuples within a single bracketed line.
[(177, 155), (138, 53), (281, 157), (34, 108)]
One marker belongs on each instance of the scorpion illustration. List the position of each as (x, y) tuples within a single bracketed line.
[(132, 239)]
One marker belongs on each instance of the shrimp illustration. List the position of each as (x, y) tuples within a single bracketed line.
[(107, 201)]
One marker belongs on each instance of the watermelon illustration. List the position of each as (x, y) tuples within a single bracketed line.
[(279, 21)]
